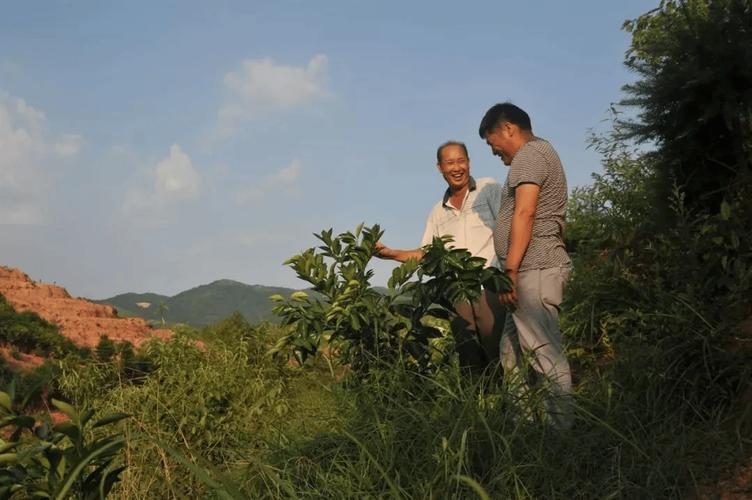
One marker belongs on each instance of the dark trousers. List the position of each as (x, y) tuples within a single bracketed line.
[(477, 330)]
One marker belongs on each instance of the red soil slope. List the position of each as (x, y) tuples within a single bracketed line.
[(78, 319)]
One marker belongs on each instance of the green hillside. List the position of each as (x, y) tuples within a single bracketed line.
[(203, 304), (127, 304)]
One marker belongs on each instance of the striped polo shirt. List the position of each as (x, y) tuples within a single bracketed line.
[(538, 163), (472, 224)]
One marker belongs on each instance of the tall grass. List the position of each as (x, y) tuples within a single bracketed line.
[(404, 436), (226, 420)]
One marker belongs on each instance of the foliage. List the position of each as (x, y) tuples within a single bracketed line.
[(235, 328), (363, 325), (30, 333), (654, 320), (203, 401), (116, 363), (162, 308), (105, 348), (62, 460), (660, 305), (694, 62), (402, 436), (617, 206)]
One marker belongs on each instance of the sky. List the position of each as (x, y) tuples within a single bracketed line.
[(157, 146)]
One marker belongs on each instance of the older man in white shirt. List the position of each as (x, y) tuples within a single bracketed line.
[(467, 212)]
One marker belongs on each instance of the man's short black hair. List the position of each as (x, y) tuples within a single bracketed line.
[(450, 143), (504, 112)]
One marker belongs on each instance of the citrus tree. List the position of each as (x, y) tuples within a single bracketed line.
[(407, 323)]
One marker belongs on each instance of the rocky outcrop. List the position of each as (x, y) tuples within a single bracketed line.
[(80, 320)]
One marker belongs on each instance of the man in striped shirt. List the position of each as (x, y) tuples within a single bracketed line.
[(529, 242)]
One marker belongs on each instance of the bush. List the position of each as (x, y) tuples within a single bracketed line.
[(207, 404), (60, 460), (366, 327), (693, 59), (29, 333), (660, 309)]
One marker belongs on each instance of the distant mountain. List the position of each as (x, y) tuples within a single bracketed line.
[(127, 304), (202, 305)]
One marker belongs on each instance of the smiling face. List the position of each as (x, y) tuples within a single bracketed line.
[(454, 166), (502, 142)]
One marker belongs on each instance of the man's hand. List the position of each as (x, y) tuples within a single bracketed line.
[(510, 298), (383, 251)]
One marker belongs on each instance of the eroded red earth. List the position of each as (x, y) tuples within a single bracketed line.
[(78, 319)]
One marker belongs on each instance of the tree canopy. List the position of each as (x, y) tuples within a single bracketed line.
[(694, 94)]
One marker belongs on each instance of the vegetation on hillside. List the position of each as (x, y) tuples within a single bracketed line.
[(358, 394), (29, 333), (202, 305), (694, 64)]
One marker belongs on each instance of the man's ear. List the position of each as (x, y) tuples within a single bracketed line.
[(512, 129), (438, 167)]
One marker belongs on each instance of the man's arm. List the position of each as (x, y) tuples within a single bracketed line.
[(525, 206), (384, 252)]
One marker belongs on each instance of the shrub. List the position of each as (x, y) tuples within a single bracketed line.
[(29, 333), (366, 327), (206, 404), (105, 349), (58, 460), (660, 306)]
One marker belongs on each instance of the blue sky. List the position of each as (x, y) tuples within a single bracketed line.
[(156, 146)]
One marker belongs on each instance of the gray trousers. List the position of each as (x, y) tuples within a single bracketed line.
[(477, 330), (532, 335)]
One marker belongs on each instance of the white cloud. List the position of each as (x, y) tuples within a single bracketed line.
[(69, 145), (173, 180), (176, 177), (27, 157), (284, 179), (261, 86)]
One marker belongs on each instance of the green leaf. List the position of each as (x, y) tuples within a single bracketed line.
[(439, 324), (69, 429), (86, 417), (67, 409), (475, 486), (73, 476), (7, 446), (725, 210), (109, 419), (5, 401), (109, 478)]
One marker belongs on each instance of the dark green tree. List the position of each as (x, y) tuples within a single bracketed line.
[(162, 309), (694, 95), (105, 348)]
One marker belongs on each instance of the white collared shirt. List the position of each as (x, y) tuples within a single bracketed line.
[(472, 224)]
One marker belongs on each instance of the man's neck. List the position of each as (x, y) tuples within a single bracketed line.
[(457, 196), (524, 138)]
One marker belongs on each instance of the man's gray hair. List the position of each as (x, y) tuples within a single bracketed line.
[(450, 143)]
